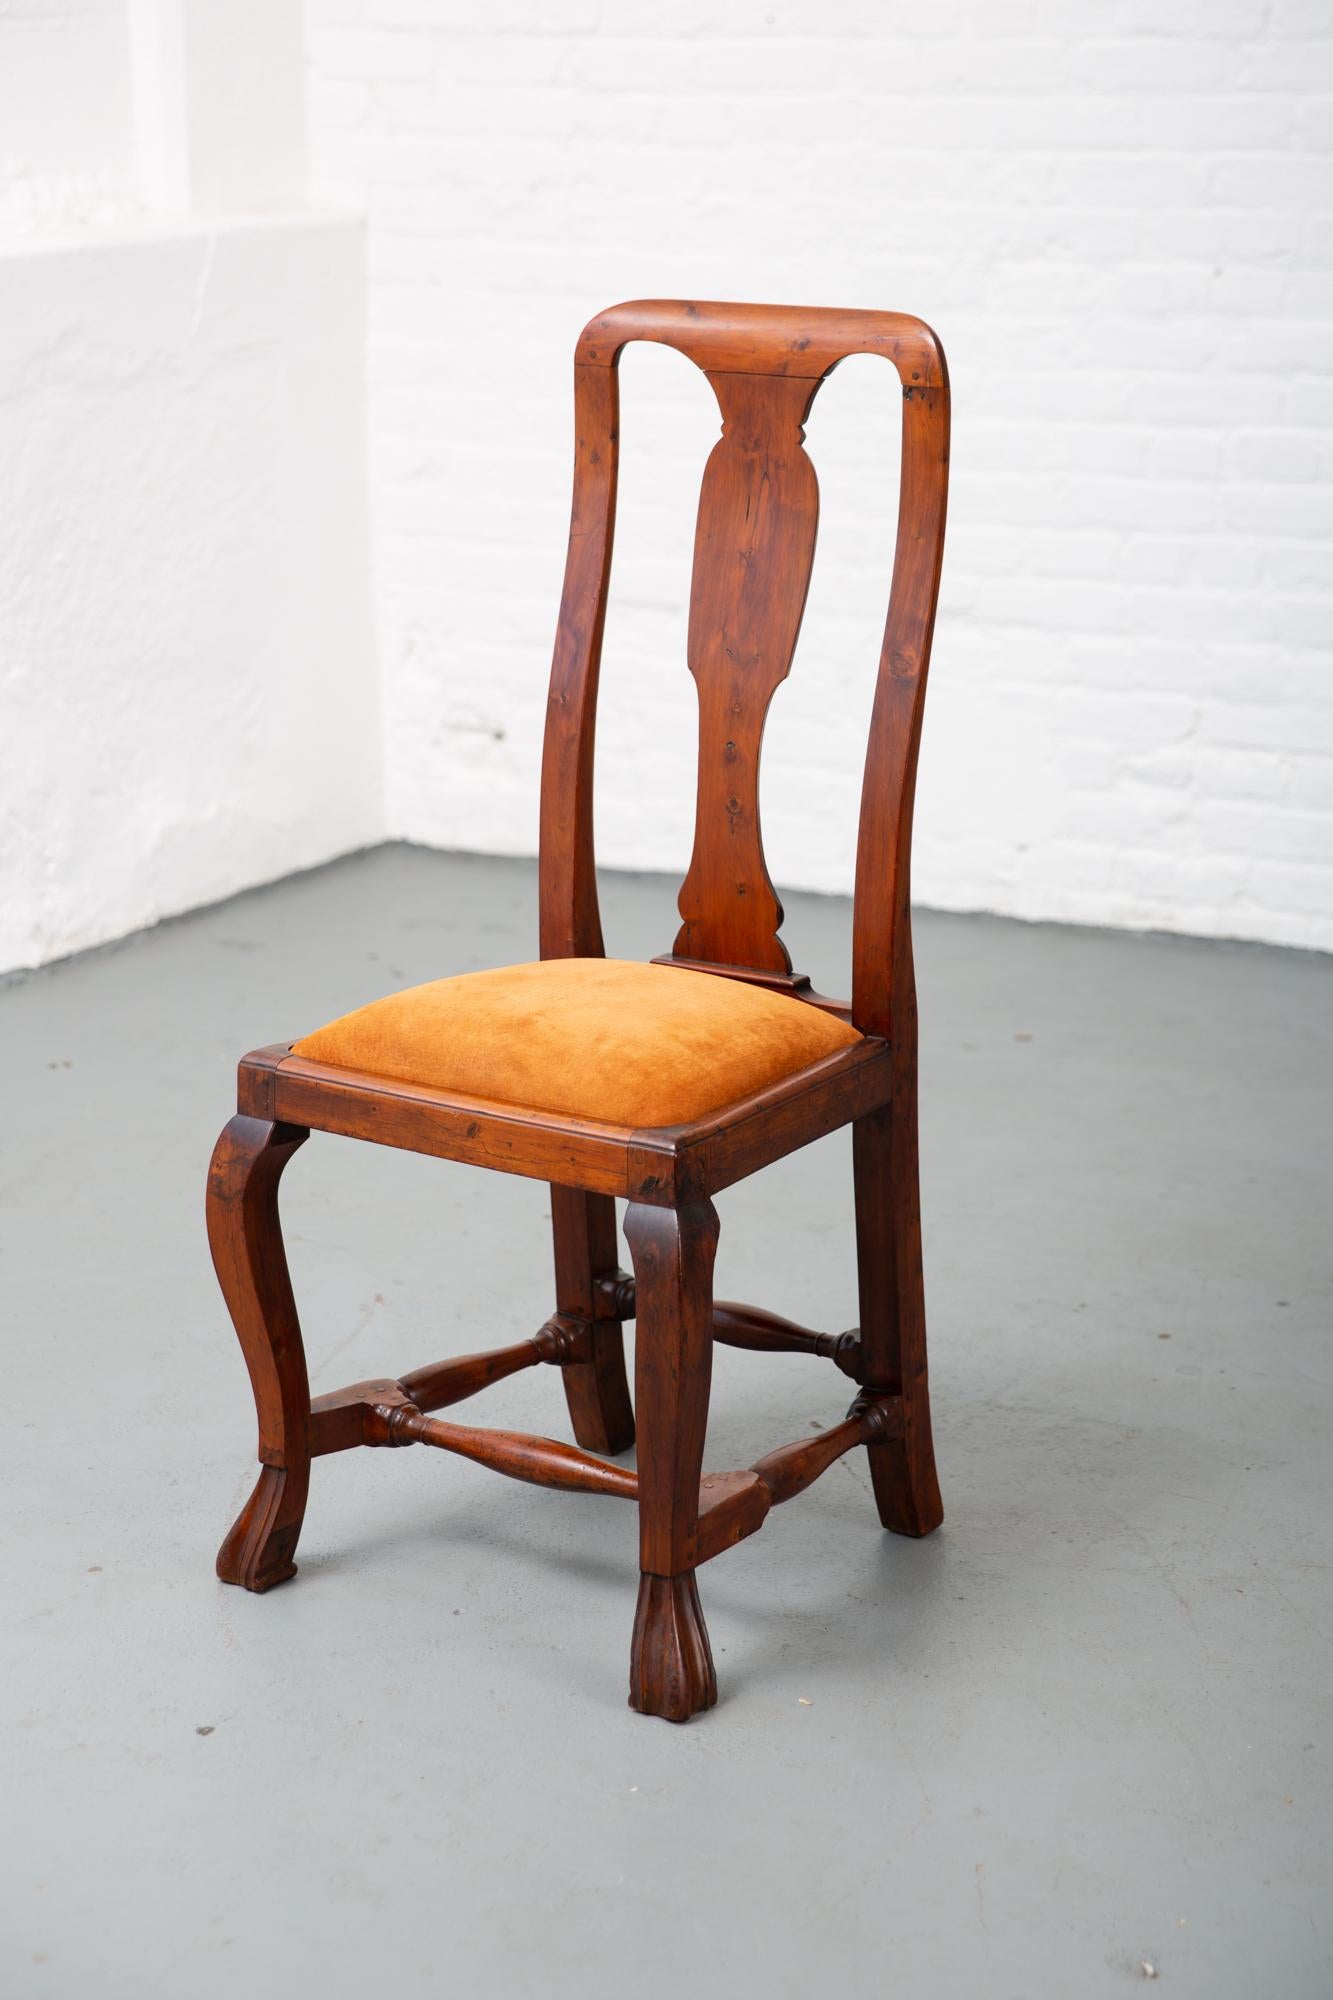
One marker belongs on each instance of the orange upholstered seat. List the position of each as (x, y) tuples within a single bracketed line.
[(599, 1038)]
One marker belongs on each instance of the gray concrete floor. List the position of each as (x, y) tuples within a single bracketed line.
[(1082, 1731)]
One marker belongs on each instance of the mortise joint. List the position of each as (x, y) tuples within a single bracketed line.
[(563, 1340), (388, 1424), (843, 1349), (614, 1294), (879, 1414)]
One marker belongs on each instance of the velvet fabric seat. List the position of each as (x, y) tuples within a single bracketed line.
[(599, 1038)]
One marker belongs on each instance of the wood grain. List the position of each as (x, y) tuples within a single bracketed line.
[(537, 1461), (245, 1237), (663, 1165), (728, 1145), (733, 1505), (754, 546), (503, 1137), (766, 364), (766, 340), (561, 1342), (763, 1332), (570, 925), (893, 1314), (671, 1666), (583, 1228)]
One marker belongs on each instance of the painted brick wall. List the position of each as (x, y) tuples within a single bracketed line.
[(1118, 217), (184, 528), (183, 574)]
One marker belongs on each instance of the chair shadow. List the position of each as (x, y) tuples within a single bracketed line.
[(876, 1611)]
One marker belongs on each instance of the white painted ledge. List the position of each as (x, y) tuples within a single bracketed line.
[(188, 690)]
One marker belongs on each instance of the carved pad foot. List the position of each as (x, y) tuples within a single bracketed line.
[(258, 1553), (671, 1663)]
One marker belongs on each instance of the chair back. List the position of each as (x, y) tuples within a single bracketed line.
[(753, 551)]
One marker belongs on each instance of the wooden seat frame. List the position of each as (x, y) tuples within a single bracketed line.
[(753, 553)]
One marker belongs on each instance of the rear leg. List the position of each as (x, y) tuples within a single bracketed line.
[(893, 1311), (584, 1230)]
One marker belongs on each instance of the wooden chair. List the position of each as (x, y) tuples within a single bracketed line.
[(660, 1083)]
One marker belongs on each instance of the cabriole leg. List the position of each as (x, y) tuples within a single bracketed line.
[(671, 1665), (893, 1311), (584, 1231), (245, 1237)]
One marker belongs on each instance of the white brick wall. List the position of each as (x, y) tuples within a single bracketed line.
[(1118, 216), (66, 113), (184, 532)]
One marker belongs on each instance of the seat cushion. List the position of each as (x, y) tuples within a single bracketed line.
[(599, 1038)]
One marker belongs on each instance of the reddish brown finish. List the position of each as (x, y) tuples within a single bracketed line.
[(671, 1666), (785, 353), (753, 550), (564, 1342), (338, 1419), (893, 1314), (730, 1505), (537, 1460), (584, 1231), (766, 340), (768, 1333), (733, 1505), (795, 983), (671, 1670), (762, 1332), (245, 1237), (789, 1470), (665, 1164), (754, 545), (728, 1145), (570, 924), (422, 1120)]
